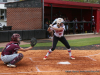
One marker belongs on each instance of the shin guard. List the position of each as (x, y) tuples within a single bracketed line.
[(17, 59)]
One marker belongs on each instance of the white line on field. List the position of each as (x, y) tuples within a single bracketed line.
[(25, 72), (5, 73), (91, 55), (34, 61), (49, 71), (38, 69), (45, 71), (97, 70), (91, 58), (94, 54), (16, 72), (31, 59)]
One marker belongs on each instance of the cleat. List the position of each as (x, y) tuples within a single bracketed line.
[(11, 65), (72, 58), (44, 58)]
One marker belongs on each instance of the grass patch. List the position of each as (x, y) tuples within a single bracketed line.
[(84, 42), (75, 43), (43, 44), (1, 47)]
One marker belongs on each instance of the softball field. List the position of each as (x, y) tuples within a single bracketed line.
[(58, 63)]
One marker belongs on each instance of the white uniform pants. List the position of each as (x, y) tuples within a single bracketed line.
[(8, 58)]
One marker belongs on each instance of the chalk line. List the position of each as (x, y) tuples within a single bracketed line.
[(91, 58), (34, 61), (37, 69), (17, 72), (90, 55), (97, 70)]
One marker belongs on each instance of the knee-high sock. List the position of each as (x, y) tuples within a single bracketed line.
[(48, 53), (69, 51)]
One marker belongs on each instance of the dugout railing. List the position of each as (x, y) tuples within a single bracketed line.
[(72, 25)]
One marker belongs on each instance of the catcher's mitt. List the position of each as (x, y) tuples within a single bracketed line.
[(33, 41)]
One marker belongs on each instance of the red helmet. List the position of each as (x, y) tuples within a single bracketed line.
[(14, 37)]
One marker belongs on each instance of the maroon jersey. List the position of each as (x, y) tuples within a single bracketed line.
[(10, 49)]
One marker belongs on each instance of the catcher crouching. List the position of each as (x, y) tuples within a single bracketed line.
[(9, 54)]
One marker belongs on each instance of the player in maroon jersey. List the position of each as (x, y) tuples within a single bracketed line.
[(9, 54)]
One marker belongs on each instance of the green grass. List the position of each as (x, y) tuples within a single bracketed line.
[(75, 43), (1, 47), (84, 42)]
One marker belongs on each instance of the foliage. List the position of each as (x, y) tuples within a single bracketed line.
[(86, 1)]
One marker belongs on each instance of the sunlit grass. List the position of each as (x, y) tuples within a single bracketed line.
[(75, 43)]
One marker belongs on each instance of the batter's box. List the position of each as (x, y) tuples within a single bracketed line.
[(82, 61), (61, 68), (81, 58)]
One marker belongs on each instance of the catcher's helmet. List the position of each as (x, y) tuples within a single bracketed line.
[(15, 37)]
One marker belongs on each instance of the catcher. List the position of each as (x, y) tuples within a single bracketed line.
[(58, 35), (9, 54)]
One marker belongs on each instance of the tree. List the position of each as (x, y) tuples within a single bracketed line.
[(86, 1)]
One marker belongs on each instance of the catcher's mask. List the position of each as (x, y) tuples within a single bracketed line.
[(16, 38)]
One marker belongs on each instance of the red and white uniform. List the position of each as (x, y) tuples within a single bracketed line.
[(58, 33), (58, 36)]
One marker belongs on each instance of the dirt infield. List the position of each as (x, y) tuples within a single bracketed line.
[(58, 63)]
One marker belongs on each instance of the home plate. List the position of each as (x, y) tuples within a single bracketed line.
[(64, 62)]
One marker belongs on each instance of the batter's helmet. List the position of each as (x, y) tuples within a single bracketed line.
[(60, 20), (15, 37)]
